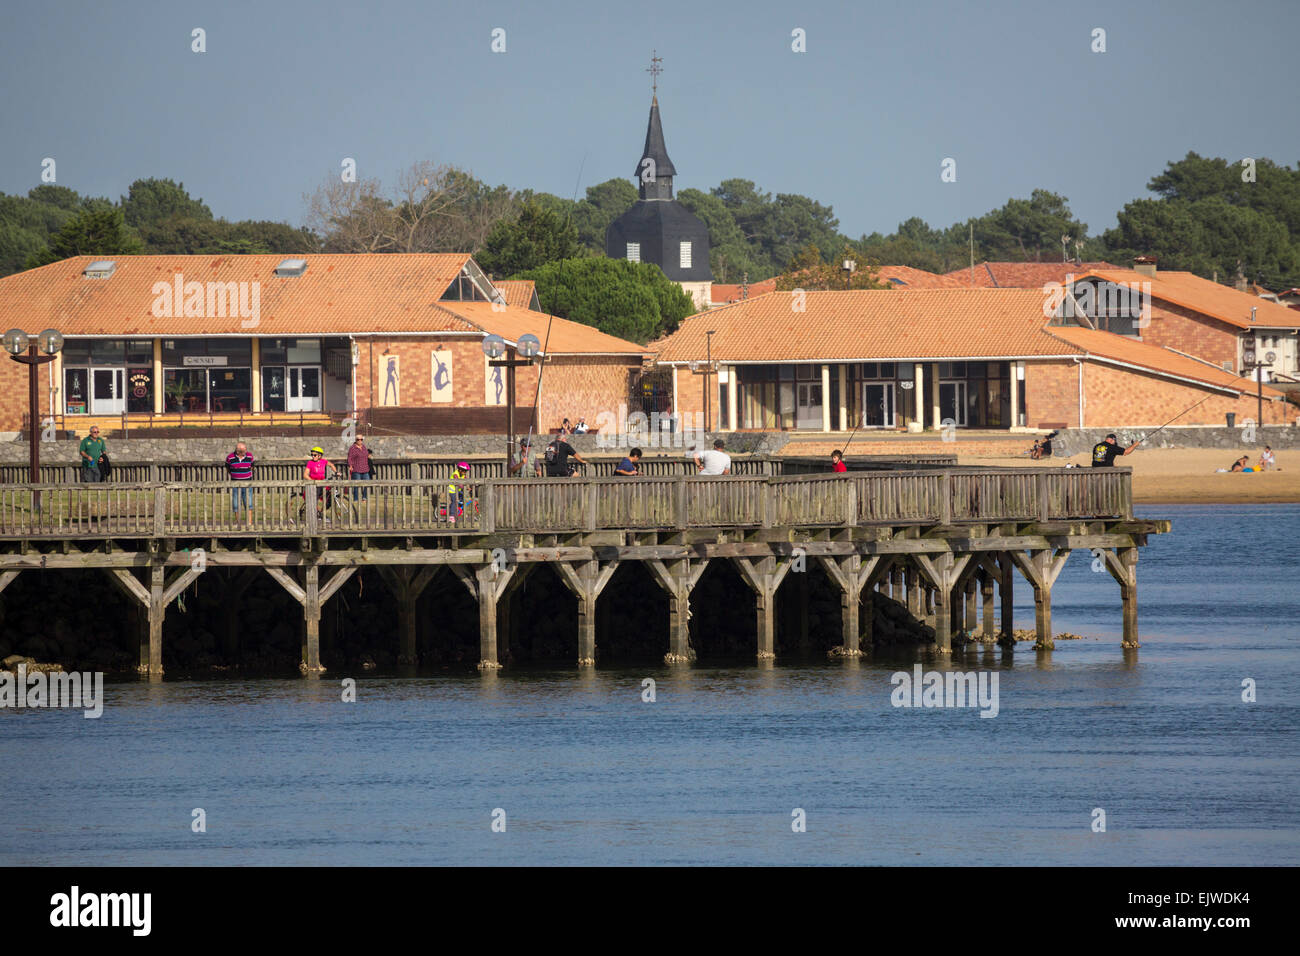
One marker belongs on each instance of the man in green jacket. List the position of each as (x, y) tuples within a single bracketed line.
[(92, 451)]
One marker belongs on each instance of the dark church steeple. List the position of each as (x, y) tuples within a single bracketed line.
[(654, 170), (658, 229)]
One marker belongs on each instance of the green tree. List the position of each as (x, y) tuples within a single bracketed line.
[(1207, 236), (731, 257), (92, 232), (604, 203), (632, 300), (1028, 230), (150, 200), (809, 271), (537, 236)]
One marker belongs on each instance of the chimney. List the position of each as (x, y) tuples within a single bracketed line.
[(1145, 265), (1241, 284)]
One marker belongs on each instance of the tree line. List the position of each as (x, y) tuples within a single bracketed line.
[(1209, 216)]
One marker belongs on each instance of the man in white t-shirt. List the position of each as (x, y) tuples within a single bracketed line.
[(715, 462)]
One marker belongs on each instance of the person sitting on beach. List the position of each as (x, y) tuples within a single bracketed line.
[(1240, 464), (1266, 461)]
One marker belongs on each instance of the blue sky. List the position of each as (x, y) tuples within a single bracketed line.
[(885, 92)]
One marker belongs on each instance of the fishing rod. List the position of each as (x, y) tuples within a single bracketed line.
[(537, 396), (851, 434), (1186, 410)]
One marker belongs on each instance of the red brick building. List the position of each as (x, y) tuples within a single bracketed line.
[(915, 359), (1195, 316), (248, 338)]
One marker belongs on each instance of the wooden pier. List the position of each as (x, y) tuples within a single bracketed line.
[(941, 539)]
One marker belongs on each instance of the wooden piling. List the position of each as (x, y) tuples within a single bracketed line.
[(986, 593)]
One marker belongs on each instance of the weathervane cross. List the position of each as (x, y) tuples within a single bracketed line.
[(654, 69)]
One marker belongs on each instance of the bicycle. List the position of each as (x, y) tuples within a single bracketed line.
[(332, 509)]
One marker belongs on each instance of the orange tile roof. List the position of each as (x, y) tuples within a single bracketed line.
[(1209, 298), (1157, 359), (1020, 275), (518, 292), (723, 294), (905, 277), (346, 294), (566, 337), (867, 325), (338, 294)]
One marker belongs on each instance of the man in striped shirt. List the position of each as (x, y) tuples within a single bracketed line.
[(240, 465)]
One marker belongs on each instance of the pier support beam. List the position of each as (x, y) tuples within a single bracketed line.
[(764, 576), (896, 583), (153, 600), (586, 580), (1122, 565), (1006, 592), (312, 595), (972, 606), (1041, 569), (986, 611), (407, 583), (912, 582), (852, 575), (678, 578), (486, 585), (943, 570)]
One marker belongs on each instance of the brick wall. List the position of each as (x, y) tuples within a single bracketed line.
[(585, 387), (1192, 332), (1051, 393), (415, 372), (690, 397), (1124, 397), (1117, 396), (13, 393)]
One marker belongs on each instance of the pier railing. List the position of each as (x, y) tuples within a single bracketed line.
[(526, 505)]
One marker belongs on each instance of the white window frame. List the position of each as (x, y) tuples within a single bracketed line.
[(634, 252), (684, 254)]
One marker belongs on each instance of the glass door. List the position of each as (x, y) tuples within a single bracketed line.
[(304, 389), (809, 411), (107, 391), (878, 405), (952, 402)]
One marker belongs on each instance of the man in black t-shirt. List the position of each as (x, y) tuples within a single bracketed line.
[(1105, 452), (558, 454)]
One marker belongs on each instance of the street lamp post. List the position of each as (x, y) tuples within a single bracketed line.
[(849, 266), (16, 342), (494, 346)]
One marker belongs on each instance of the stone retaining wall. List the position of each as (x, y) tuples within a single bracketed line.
[(1072, 441)]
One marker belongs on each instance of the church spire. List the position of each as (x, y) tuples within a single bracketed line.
[(654, 171)]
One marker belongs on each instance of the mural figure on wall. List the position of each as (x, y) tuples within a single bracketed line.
[(392, 396), (496, 387), (441, 377)]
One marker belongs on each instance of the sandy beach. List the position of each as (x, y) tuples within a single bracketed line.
[(1160, 475), (1187, 475)]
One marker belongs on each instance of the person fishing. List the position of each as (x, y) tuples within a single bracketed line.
[(1105, 452), (837, 461)]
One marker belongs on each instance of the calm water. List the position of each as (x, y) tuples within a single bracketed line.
[(710, 772)]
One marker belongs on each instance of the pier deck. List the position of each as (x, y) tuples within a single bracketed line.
[(941, 537)]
